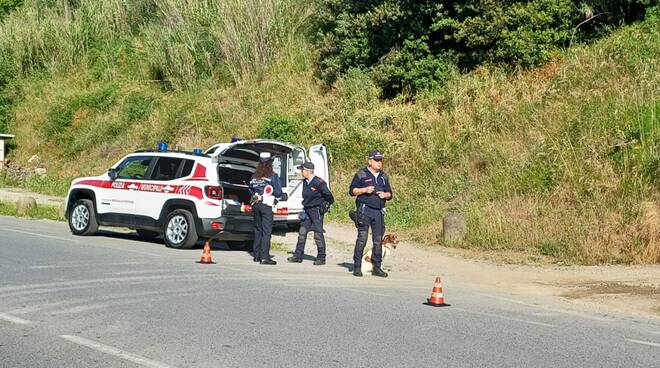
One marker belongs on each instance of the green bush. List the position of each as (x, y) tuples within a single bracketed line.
[(283, 128), (517, 33), (6, 6), (413, 69), (412, 46)]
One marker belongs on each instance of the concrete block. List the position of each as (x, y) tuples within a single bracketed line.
[(25, 204), (454, 228)]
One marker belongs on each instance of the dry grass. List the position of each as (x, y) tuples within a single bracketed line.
[(568, 233), (648, 227)]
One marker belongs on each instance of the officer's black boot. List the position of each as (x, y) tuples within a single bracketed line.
[(377, 271), (268, 262), (294, 259), (319, 262), (357, 272)]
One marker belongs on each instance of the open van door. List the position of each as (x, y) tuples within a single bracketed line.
[(318, 155)]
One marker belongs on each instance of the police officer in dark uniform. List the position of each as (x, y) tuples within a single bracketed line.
[(317, 199), (372, 188), (265, 188)]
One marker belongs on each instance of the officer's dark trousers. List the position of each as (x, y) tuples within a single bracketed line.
[(263, 228), (305, 227), (373, 218)]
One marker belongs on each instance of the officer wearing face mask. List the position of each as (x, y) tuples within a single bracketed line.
[(371, 187)]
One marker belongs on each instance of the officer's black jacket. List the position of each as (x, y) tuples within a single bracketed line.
[(364, 178), (316, 192)]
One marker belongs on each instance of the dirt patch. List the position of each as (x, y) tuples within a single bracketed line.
[(591, 289), (629, 290)]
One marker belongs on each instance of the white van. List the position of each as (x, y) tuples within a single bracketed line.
[(237, 162)]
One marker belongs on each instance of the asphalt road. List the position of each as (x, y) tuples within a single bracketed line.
[(115, 301)]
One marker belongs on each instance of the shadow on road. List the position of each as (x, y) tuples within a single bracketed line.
[(232, 246), (346, 265)]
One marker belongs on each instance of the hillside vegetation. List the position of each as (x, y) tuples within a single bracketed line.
[(560, 162)]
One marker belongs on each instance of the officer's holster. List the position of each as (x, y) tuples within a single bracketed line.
[(358, 217)]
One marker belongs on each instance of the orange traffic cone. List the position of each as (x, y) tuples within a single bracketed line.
[(206, 254), (437, 299)]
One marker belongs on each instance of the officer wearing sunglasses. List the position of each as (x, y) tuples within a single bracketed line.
[(372, 188)]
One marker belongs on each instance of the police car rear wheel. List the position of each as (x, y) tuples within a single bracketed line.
[(179, 231), (82, 218)]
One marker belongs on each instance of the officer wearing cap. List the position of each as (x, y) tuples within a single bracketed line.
[(265, 188), (317, 199), (372, 188)]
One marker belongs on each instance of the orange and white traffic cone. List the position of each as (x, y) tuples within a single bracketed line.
[(437, 298), (206, 254)]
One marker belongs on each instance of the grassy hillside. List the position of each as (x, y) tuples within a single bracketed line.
[(559, 163)]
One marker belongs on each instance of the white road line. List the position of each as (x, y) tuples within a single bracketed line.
[(88, 301), (12, 319), (507, 318), (31, 293), (145, 362), (9, 289), (95, 306), (39, 235), (644, 342)]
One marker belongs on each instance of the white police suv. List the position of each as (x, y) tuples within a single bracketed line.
[(185, 196)]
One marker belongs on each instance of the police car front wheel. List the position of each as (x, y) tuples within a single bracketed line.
[(179, 231), (82, 218)]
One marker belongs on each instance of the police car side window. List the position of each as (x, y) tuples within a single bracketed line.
[(166, 168), (187, 168), (134, 168)]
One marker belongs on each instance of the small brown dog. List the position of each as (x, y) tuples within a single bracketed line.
[(389, 243)]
